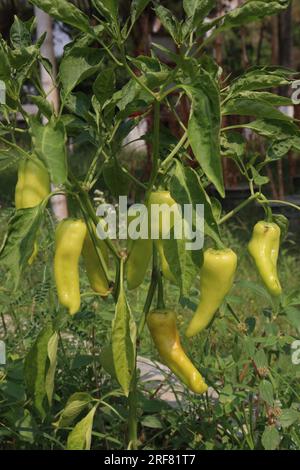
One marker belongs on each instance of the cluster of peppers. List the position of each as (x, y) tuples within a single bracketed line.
[(73, 238)]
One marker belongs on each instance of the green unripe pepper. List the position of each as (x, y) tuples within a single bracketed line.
[(264, 248)]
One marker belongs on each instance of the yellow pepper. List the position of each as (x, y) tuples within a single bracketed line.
[(264, 249), (216, 279), (33, 184), (69, 238), (162, 326), (32, 187), (163, 224), (95, 272)]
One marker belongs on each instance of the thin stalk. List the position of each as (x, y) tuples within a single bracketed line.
[(167, 93), (134, 179), (173, 109), (150, 294), (92, 214), (155, 153), (277, 201), (135, 77), (238, 208), (132, 417), (175, 150), (160, 292)]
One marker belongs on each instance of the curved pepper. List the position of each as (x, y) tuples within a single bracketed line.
[(162, 326), (216, 279), (69, 238), (163, 197), (32, 187), (95, 272), (264, 248)]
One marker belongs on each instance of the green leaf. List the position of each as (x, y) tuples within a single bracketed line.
[(49, 142), (250, 107), (169, 22), (104, 85), (7, 157), (25, 426), (184, 264), (258, 289), (233, 145), (252, 10), (36, 367), (123, 342), (115, 178), (108, 8), (186, 188), (273, 129), (78, 64), (279, 149), (43, 105), (136, 9), (5, 69), (266, 392), (78, 103), (283, 223), (107, 362), (288, 417), (257, 178), (293, 316), (81, 436), (271, 98), (18, 244), (260, 359), (259, 78), (74, 406), (198, 8), (65, 11), (204, 127), (20, 33), (270, 438), (52, 356), (152, 422)]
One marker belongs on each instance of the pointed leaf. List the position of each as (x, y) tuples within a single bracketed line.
[(123, 342), (65, 11), (18, 245), (78, 64), (74, 406), (204, 128), (35, 370), (49, 142), (81, 436)]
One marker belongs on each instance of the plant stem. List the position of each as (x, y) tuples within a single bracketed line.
[(92, 214), (176, 149), (277, 201), (155, 153), (150, 294), (238, 208), (132, 417), (134, 179)]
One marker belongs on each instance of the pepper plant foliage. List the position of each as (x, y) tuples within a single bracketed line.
[(98, 55)]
